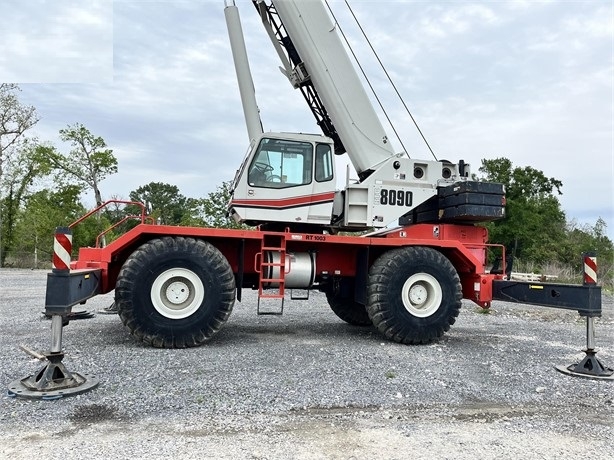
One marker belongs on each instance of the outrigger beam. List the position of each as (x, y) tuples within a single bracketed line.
[(584, 298)]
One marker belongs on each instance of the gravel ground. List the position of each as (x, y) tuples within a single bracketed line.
[(305, 385)]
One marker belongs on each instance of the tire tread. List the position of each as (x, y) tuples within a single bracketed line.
[(159, 248), (384, 311)]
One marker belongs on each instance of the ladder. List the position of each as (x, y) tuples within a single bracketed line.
[(271, 265)]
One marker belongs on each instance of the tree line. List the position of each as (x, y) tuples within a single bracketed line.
[(41, 188), (536, 228)]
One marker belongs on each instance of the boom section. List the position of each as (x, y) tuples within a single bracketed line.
[(316, 62), (244, 74)]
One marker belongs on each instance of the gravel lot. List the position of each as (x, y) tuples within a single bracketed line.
[(306, 385)]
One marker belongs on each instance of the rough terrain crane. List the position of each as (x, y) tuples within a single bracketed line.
[(176, 286)]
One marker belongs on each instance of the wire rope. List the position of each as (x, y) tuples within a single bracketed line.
[(389, 79), (366, 78)]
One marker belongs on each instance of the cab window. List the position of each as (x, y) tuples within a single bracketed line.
[(324, 163), (280, 163)]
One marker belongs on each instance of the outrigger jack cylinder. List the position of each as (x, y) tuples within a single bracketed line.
[(54, 381), (590, 366)]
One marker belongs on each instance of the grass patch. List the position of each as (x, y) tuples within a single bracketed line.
[(390, 374)]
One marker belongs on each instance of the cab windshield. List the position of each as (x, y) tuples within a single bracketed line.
[(280, 163)]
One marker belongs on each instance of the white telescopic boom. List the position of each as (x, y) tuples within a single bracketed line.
[(328, 66), (244, 74)]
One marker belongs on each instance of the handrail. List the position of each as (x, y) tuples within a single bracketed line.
[(503, 256), (93, 211), (143, 220), (142, 217)]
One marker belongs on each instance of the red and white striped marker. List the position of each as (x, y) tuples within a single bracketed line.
[(590, 267), (62, 248)]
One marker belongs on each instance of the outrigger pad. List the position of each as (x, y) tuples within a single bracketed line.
[(84, 314), (590, 367), (53, 381)]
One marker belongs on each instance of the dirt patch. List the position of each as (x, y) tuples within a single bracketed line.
[(94, 413)]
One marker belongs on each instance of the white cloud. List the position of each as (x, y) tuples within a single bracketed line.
[(594, 24), (59, 41), (464, 17), (526, 4)]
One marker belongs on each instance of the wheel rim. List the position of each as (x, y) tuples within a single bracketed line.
[(177, 293), (421, 295)]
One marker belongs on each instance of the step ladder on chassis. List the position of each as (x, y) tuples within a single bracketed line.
[(272, 265)]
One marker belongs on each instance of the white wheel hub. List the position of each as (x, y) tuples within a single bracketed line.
[(177, 293), (421, 295)]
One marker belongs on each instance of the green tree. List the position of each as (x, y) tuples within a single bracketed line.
[(168, 206), (88, 163), (213, 209), (15, 120), (43, 211), (22, 169), (587, 238), (525, 182), (535, 222)]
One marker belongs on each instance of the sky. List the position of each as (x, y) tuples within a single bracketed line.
[(531, 81)]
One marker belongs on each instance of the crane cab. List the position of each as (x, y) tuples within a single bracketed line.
[(287, 178)]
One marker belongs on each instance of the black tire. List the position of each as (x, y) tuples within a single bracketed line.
[(175, 292), (414, 294), (346, 308)]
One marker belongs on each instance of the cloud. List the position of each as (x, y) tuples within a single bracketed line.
[(56, 41)]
